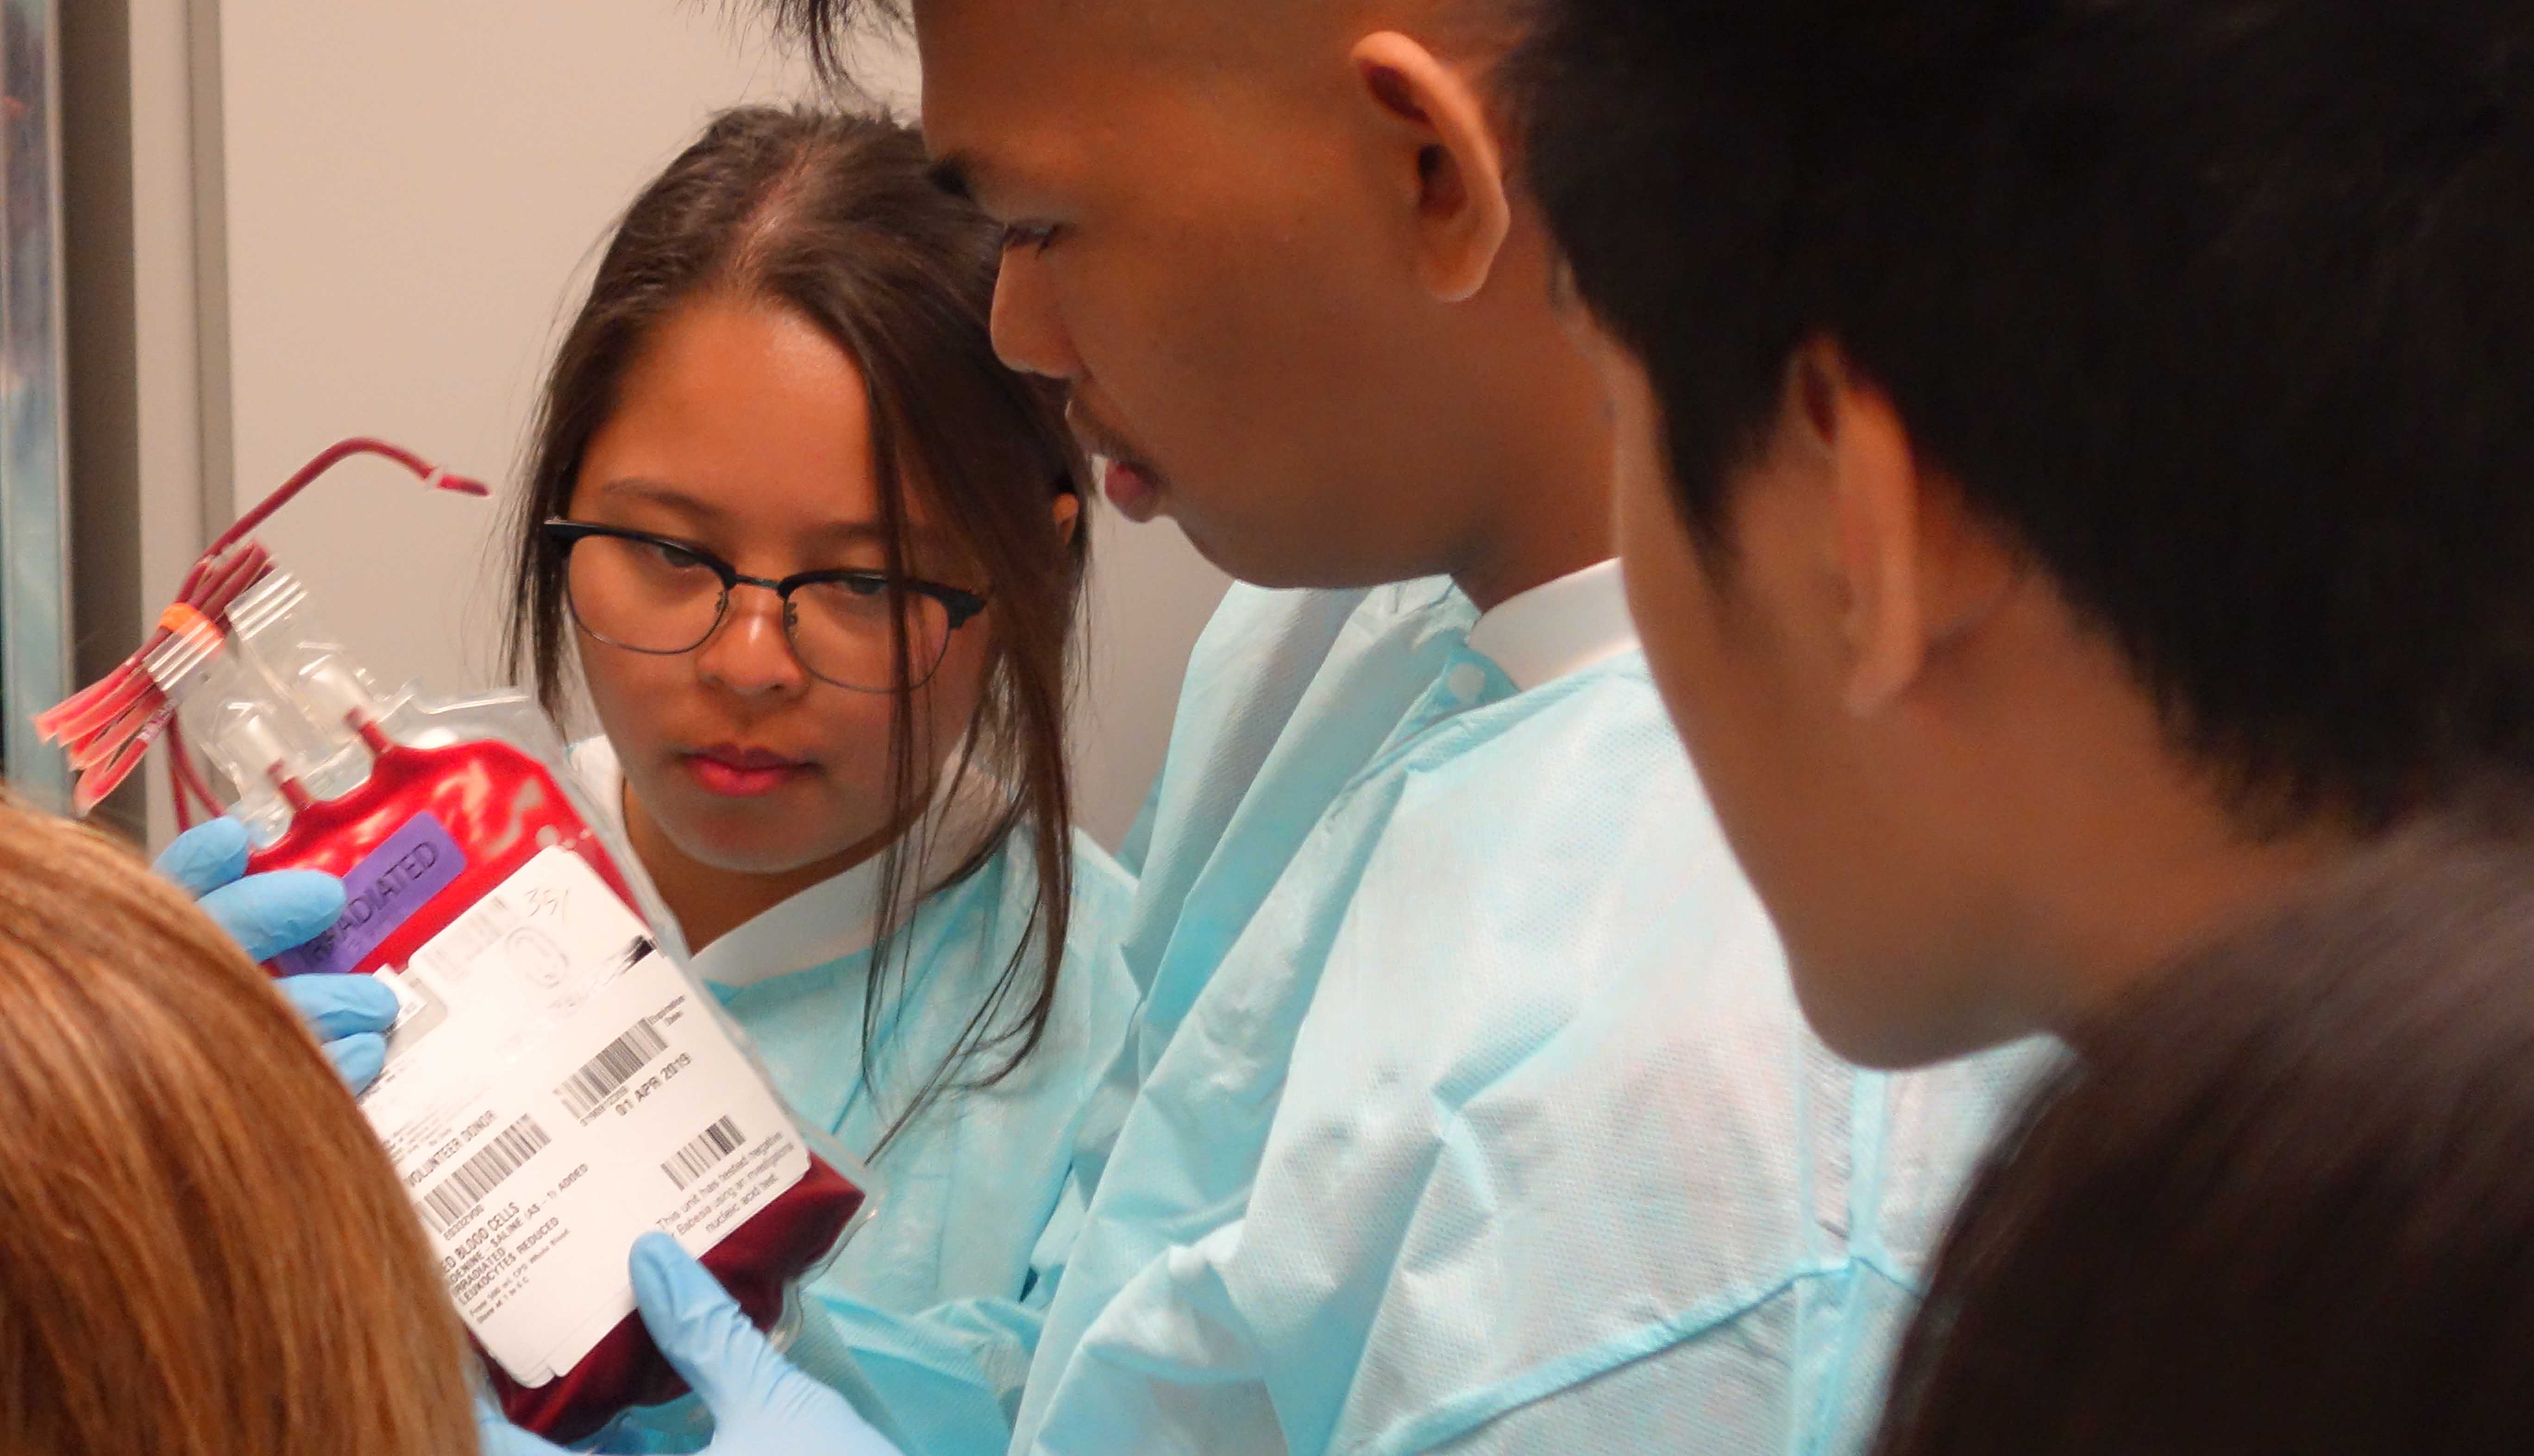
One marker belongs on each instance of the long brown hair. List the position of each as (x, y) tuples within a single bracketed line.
[(2282, 1200), (203, 1247), (835, 218)]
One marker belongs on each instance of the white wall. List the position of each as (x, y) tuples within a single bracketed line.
[(412, 196)]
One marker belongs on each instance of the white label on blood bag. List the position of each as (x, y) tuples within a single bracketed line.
[(553, 1088)]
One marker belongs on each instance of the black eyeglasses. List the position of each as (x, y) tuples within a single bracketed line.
[(652, 593)]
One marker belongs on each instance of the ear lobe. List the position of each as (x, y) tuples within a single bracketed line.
[(1068, 515), (1456, 176)]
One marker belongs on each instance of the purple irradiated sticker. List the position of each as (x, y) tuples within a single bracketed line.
[(382, 893)]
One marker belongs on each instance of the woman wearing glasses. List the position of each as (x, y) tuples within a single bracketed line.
[(815, 555)]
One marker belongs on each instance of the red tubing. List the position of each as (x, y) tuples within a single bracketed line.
[(76, 720), (184, 779), (110, 724), (333, 455)]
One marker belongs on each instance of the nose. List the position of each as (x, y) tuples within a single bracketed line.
[(749, 652), (1028, 325)]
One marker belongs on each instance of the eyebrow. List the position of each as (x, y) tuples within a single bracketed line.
[(955, 174), (966, 174), (660, 492), (919, 539)]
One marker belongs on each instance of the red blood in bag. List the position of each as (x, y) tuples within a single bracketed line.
[(491, 810), (753, 1261), (498, 804)]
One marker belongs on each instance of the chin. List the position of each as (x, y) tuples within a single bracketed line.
[(1857, 1017), (1851, 1019), (752, 860), (750, 848), (1255, 559)]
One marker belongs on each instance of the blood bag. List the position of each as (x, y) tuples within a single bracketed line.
[(556, 1083)]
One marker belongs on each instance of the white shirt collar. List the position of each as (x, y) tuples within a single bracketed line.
[(1558, 627), (828, 921)]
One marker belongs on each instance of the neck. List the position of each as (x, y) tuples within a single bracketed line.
[(2127, 919), (2108, 852), (1542, 450), (1523, 563), (710, 901)]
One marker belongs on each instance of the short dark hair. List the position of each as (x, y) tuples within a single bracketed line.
[(2222, 308), (834, 218), (822, 28), (2276, 1202)]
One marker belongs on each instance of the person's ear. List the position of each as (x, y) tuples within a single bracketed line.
[(1452, 169), (1860, 451), (1915, 569), (1068, 515)]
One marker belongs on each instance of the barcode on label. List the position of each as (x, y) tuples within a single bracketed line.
[(451, 954), (459, 1193), (618, 1059), (696, 1158)]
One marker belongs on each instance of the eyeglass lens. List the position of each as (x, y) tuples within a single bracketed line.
[(650, 597)]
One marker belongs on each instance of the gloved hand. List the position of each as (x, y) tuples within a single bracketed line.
[(760, 1404), (271, 913)]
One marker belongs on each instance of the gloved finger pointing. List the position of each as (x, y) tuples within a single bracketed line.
[(271, 913), (206, 857)]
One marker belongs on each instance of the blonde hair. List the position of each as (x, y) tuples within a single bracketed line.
[(203, 1247)]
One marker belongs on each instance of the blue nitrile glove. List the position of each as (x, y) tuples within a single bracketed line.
[(760, 1404), (271, 913), (350, 1015)]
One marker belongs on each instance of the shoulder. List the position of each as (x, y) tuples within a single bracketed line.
[(1094, 915), (1095, 998), (1589, 762), (1285, 698), (1556, 875), (1252, 618), (1103, 890), (1556, 848), (1269, 645)]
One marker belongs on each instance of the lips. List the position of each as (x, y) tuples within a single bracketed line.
[(1131, 491), (1128, 480), (735, 771)]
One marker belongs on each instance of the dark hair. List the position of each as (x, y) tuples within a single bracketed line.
[(2278, 1202), (2222, 307), (834, 218), (823, 27)]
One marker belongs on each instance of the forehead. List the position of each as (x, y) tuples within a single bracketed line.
[(739, 417), (1121, 36), (726, 396), (1018, 89)]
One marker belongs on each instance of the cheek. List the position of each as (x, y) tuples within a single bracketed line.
[(627, 688), (1713, 685), (1675, 618), (1667, 594), (949, 702), (855, 729), (1222, 342)]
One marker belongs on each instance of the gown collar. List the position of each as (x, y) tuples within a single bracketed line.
[(826, 923), (1558, 627)]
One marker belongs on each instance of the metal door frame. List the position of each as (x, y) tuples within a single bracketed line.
[(34, 480)]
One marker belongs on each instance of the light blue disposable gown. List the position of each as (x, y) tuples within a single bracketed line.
[(1470, 1108), (928, 1317)]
